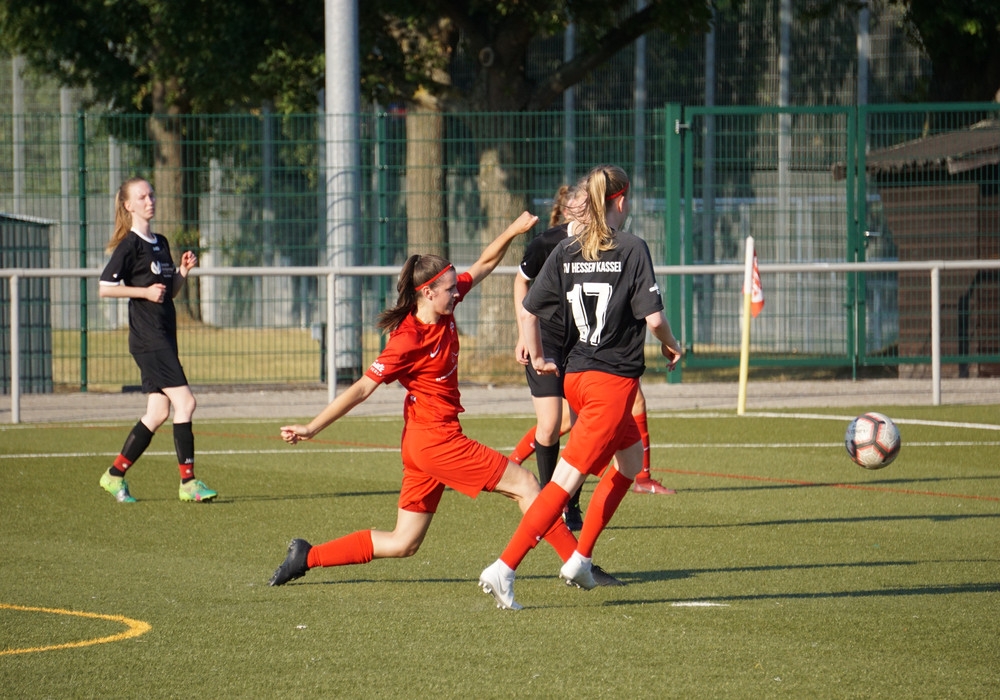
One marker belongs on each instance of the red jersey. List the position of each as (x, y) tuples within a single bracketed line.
[(424, 359)]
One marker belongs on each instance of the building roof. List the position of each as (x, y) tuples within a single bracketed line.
[(954, 152)]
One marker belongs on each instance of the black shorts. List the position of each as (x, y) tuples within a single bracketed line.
[(160, 369), (543, 385)]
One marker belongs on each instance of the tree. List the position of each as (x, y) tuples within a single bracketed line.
[(960, 37), (167, 59), (962, 40), (418, 44)]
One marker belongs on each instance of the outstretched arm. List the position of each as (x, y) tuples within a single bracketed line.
[(494, 252), (337, 409)]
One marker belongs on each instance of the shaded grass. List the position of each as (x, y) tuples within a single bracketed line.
[(826, 580)]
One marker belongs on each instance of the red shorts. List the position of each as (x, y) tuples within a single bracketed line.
[(604, 423), (442, 455)]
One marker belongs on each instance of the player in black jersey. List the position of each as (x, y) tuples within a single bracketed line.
[(553, 416), (552, 419), (602, 280), (142, 271)]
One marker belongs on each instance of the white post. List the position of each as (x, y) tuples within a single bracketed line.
[(638, 193), (342, 91), (936, 334), (17, 128), (15, 351), (61, 257), (741, 404), (331, 337), (569, 107)]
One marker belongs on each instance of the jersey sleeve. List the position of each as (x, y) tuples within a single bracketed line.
[(545, 295), (117, 269), (534, 258), (464, 285), (646, 296), (395, 358)]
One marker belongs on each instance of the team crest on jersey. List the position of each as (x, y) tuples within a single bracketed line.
[(155, 268)]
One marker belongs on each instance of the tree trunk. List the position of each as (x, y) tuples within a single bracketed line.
[(165, 129), (501, 203), (425, 189)]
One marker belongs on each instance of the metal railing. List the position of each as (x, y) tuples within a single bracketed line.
[(332, 274)]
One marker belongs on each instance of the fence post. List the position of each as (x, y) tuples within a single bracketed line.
[(15, 351), (936, 334), (82, 150), (331, 335), (672, 220)]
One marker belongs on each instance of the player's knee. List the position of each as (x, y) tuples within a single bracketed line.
[(402, 550), (155, 417)]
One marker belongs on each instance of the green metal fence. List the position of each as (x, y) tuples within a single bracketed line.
[(905, 182), (811, 185)]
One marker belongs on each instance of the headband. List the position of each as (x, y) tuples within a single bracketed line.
[(433, 279), (620, 193)]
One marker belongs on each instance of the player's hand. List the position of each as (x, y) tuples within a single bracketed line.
[(521, 353), (188, 261), (545, 365), (672, 353), (156, 293), (293, 434), (524, 223)]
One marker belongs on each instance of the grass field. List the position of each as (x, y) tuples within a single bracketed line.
[(779, 569)]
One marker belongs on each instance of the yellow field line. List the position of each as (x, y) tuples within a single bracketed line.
[(135, 628)]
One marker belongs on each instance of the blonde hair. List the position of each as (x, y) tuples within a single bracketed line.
[(603, 185), (123, 217), (558, 215)]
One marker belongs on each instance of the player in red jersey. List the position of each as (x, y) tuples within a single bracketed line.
[(603, 283), (422, 355)]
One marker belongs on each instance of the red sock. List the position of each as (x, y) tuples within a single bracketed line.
[(525, 448), (608, 495), (640, 421), (355, 548), (537, 523), (122, 464), (561, 538)]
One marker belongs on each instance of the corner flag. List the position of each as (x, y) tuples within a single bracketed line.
[(756, 290)]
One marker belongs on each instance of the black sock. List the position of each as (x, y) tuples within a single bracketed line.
[(546, 456), (136, 443), (574, 500), (184, 446)]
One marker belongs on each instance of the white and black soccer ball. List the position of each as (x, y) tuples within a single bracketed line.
[(872, 440)]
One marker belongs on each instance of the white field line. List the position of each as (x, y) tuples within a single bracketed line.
[(373, 450), (675, 445), (845, 419)]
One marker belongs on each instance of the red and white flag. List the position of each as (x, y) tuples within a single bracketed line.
[(756, 291)]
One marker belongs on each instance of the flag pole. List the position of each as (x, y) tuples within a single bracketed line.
[(741, 405)]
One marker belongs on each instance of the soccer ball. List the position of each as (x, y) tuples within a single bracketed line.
[(872, 440)]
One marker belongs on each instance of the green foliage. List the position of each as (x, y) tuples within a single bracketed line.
[(825, 581), (204, 56), (962, 39)]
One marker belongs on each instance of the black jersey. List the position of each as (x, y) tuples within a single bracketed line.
[(138, 263), (535, 255), (607, 300)]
